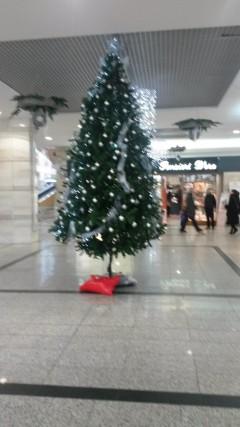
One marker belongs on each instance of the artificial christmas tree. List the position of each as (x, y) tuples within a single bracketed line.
[(110, 206)]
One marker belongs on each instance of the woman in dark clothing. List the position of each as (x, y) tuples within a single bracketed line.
[(189, 213), (233, 209)]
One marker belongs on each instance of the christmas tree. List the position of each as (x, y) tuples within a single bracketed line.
[(110, 205)]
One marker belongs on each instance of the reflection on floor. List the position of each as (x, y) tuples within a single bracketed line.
[(178, 331)]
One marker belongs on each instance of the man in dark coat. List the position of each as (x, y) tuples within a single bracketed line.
[(233, 210), (210, 205), (188, 212)]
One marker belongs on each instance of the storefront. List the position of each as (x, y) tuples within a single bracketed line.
[(219, 174)]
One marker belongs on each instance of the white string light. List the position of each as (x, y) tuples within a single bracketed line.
[(147, 100)]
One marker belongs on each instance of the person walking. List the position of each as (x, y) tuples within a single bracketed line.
[(233, 210), (179, 197), (210, 206), (188, 212), (169, 202)]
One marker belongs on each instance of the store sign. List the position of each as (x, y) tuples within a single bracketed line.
[(189, 165)]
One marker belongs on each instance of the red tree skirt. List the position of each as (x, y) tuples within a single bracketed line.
[(100, 284)]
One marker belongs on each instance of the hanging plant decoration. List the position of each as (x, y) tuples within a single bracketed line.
[(177, 149), (39, 107), (194, 127)]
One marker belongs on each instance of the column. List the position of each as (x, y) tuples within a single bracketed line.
[(18, 185)]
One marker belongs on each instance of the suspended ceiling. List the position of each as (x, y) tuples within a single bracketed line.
[(29, 19), (188, 68)]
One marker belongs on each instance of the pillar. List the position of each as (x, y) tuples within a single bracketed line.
[(18, 185)]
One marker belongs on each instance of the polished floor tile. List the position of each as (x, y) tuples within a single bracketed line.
[(178, 330)]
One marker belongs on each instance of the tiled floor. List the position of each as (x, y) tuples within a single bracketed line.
[(177, 333)]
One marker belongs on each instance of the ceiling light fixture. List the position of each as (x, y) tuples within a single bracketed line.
[(236, 131), (22, 125), (0, 113), (48, 138)]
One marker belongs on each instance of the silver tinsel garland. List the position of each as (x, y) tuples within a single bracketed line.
[(121, 175)]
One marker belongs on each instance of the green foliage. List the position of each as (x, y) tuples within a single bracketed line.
[(35, 102), (102, 215), (203, 124)]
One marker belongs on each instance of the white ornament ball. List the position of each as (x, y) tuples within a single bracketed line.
[(126, 95), (104, 220), (124, 110), (137, 147), (133, 132), (111, 171), (83, 198), (117, 151), (97, 164), (114, 157), (109, 177), (93, 186), (105, 135), (91, 118), (90, 141), (132, 165), (126, 139), (109, 86), (87, 228), (148, 225), (95, 110), (140, 196), (94, 200), (111, 229), (111, 194), (121, 218), (132, 200), (122, 80), (106, 102), (84, 191), (100, 144), (88, 154), (149, 206), (134, 224)]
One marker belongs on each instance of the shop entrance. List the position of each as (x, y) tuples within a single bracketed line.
[(179, 185)]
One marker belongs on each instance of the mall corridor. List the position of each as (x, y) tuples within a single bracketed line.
[(120, 213), (163, 353)]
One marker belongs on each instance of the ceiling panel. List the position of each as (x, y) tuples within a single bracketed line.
[(188, 68)]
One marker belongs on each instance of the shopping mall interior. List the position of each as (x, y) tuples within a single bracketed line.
[(119, 213)]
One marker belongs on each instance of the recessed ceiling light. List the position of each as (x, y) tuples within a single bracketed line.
[(22, 125), (0, 113), (236, 131), (48, 138)]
